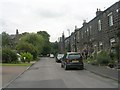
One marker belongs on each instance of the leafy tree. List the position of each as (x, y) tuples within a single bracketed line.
[(46, 47), (33, 43), (54, 48), (5, 39), (34, 39), (44, 34), (27, 47), (25, 33)]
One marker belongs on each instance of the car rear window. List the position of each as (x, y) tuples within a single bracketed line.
[(74, 56), (60, 55)]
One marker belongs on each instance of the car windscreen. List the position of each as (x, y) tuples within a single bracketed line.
[(74, 56)]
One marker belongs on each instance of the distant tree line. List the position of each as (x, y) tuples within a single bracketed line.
[(28, 45)]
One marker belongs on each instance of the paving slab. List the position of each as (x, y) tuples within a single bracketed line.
[(11, 72), (103, 71)]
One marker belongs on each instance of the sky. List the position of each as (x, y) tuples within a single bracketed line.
[(53, 16)]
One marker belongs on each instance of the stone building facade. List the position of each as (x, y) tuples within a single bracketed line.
[(101, 33)]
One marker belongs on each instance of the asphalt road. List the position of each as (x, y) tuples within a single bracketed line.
[(46, 73)]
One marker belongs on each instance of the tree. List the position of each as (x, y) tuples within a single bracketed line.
[(34, 39), (54, 48), (5, 39), (46, 47), (32, 43), (44, 34), (27, 47)]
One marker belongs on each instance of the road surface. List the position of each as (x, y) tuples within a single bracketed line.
[(46, 73)]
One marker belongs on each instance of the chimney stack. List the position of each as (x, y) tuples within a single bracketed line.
[(75, 27), (98, 12), (84, 22), (17, 32)]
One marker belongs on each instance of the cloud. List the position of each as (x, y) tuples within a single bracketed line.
[(54, 16), (50, 13)]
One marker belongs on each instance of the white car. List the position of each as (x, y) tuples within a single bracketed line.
[(51, 56)]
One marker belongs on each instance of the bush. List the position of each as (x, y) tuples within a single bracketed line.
[(90, 60), (26, 57), (103, 58), (9, 56)]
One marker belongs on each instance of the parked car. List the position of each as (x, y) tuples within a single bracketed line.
[(72, 60), (51, 56), (59, 57)]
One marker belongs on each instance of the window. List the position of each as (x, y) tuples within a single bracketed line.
[(74, 56), (112, 41), (82, 34), (110, 19), (90, 30), (87, 31), (78, 35), (101, 45), (117, 10), (99, 25)]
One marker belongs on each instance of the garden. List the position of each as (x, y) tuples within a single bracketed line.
[(105, 58)]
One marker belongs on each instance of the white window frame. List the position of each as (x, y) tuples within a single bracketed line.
[(87, 31), (112, 40), (99, 25), (90, 30), (82, 34), (110, 19)]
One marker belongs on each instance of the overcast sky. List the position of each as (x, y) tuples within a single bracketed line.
[(53, 16)]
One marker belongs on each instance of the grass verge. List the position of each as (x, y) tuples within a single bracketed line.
[(21, 64)]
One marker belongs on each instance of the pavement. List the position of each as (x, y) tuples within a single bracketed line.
[(103, 71), (10, 73)]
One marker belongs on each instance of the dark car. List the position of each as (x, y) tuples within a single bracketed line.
[(59, 57), (72, 60)]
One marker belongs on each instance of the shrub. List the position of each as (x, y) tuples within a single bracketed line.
[(94, 55), (103, 58), (92, 61), (9, 56), (88, 60), (26, 57)]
